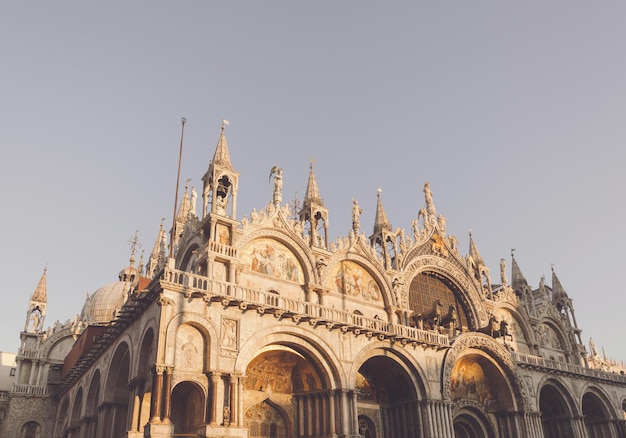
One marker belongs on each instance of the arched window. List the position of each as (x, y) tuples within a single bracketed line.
[(32, 429), (430, 293)]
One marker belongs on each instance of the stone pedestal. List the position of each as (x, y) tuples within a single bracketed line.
[(158, 431), (222, 432)]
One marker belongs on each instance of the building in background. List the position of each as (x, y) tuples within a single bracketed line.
[(261, 327)]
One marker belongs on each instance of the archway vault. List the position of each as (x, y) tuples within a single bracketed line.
[(481, 352)]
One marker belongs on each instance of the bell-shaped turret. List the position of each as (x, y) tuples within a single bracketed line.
[(219, 195)]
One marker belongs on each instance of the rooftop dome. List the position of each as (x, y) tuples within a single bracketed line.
[(102, 306)]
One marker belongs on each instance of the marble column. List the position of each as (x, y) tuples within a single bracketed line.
[(213, 390), (167, 395), (157, 394), (332, 421)]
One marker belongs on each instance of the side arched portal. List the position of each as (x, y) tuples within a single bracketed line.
[(556, 414), (113, 412), (188, 407), (598, 422)]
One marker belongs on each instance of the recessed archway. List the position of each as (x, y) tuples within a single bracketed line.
[(556, 415), (188, 408), (387, 398), (266, 420), (597, 418), (471, 423), (281, 382)]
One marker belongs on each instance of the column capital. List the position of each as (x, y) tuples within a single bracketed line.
[(159, 368)]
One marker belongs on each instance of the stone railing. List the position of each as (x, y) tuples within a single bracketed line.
[(222, 248), (4, 396), (281, 307), (27, 353), (40, 391), (529, 360)]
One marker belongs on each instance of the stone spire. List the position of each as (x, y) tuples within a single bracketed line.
[(219, 195), (314, 213), (312, 195), (518, 281), (40, 295), (384, 239), (380, 221), (559, 296), (157, 256), (185, 205), (564, 304), (473, 251), (477, 265), (37, 306), (221, 157)]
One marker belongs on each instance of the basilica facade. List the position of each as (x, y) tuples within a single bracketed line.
[(260, 326)]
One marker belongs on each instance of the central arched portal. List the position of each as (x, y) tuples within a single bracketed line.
[(286, 395), (387, 400)]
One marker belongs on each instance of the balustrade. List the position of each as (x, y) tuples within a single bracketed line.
[(542, 362), (31, 390), (230, 293)]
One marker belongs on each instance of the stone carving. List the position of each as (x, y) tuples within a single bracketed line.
[(503, 278), (356, 213), (278, 184), (229, 333)]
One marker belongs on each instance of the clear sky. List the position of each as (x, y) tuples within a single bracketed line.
[(514, 111)]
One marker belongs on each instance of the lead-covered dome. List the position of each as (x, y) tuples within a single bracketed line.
[(102, 306)]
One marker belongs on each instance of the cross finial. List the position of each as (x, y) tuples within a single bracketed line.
[(135, 244)]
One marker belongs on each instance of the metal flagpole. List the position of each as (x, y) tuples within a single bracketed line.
[(180, 157)]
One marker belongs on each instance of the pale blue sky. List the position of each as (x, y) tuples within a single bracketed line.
[(513, 111)]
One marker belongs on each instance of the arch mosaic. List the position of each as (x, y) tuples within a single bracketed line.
[(272, 258), (306, 343), (368, 272), (500, 355), (298, 251)]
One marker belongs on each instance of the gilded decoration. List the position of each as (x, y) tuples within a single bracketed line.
[(498, 352), (469, 381), (223, 234), (269, 257), (349, 278)]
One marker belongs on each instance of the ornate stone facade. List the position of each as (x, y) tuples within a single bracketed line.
[(261, 327)]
